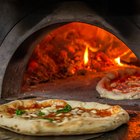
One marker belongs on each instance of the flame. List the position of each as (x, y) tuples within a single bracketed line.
[(118, 61), (86, 56)]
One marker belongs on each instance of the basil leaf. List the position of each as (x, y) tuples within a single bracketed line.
[(50, 119), (66, 109), (40, 113), (19, 112)]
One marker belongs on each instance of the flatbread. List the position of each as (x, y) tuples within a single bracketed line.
[(60, 117), (120, 85)]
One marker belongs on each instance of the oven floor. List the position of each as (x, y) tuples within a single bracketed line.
[(81, 88)]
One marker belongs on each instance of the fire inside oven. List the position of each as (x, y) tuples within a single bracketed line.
[(75, 50)]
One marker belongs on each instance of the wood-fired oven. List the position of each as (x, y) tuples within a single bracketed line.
[(62, 50)]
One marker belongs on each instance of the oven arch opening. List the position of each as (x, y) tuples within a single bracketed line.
[(52, 60)]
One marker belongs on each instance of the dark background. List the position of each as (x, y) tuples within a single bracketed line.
[(13, 11)]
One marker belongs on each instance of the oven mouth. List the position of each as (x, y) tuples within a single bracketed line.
[(76, 49), (51, 63)]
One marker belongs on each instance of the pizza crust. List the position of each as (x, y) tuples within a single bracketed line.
[(107, 80), (74, 126)]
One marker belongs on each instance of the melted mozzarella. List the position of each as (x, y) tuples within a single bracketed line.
[(48, 110)]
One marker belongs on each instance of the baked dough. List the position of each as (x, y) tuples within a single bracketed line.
[(82, 118)]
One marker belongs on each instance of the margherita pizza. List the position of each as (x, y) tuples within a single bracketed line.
[(60, 117), (121, 84)]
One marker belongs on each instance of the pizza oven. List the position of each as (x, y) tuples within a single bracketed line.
[(53, 49)]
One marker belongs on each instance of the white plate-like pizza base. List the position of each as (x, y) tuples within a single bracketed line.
[(74, 126), (101, 88)]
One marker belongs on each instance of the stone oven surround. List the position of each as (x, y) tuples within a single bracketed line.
[(63, 13)]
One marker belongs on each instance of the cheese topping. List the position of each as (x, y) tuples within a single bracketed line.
[(59, 114), (48, 110), (51, 114)]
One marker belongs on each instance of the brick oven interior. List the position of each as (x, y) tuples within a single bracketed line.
[(27, 26)]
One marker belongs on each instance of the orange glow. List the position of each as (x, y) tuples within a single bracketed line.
[(72, 48), (86, 56), (117, 60)]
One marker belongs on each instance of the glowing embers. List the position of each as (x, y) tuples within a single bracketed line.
[(71, 50)]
